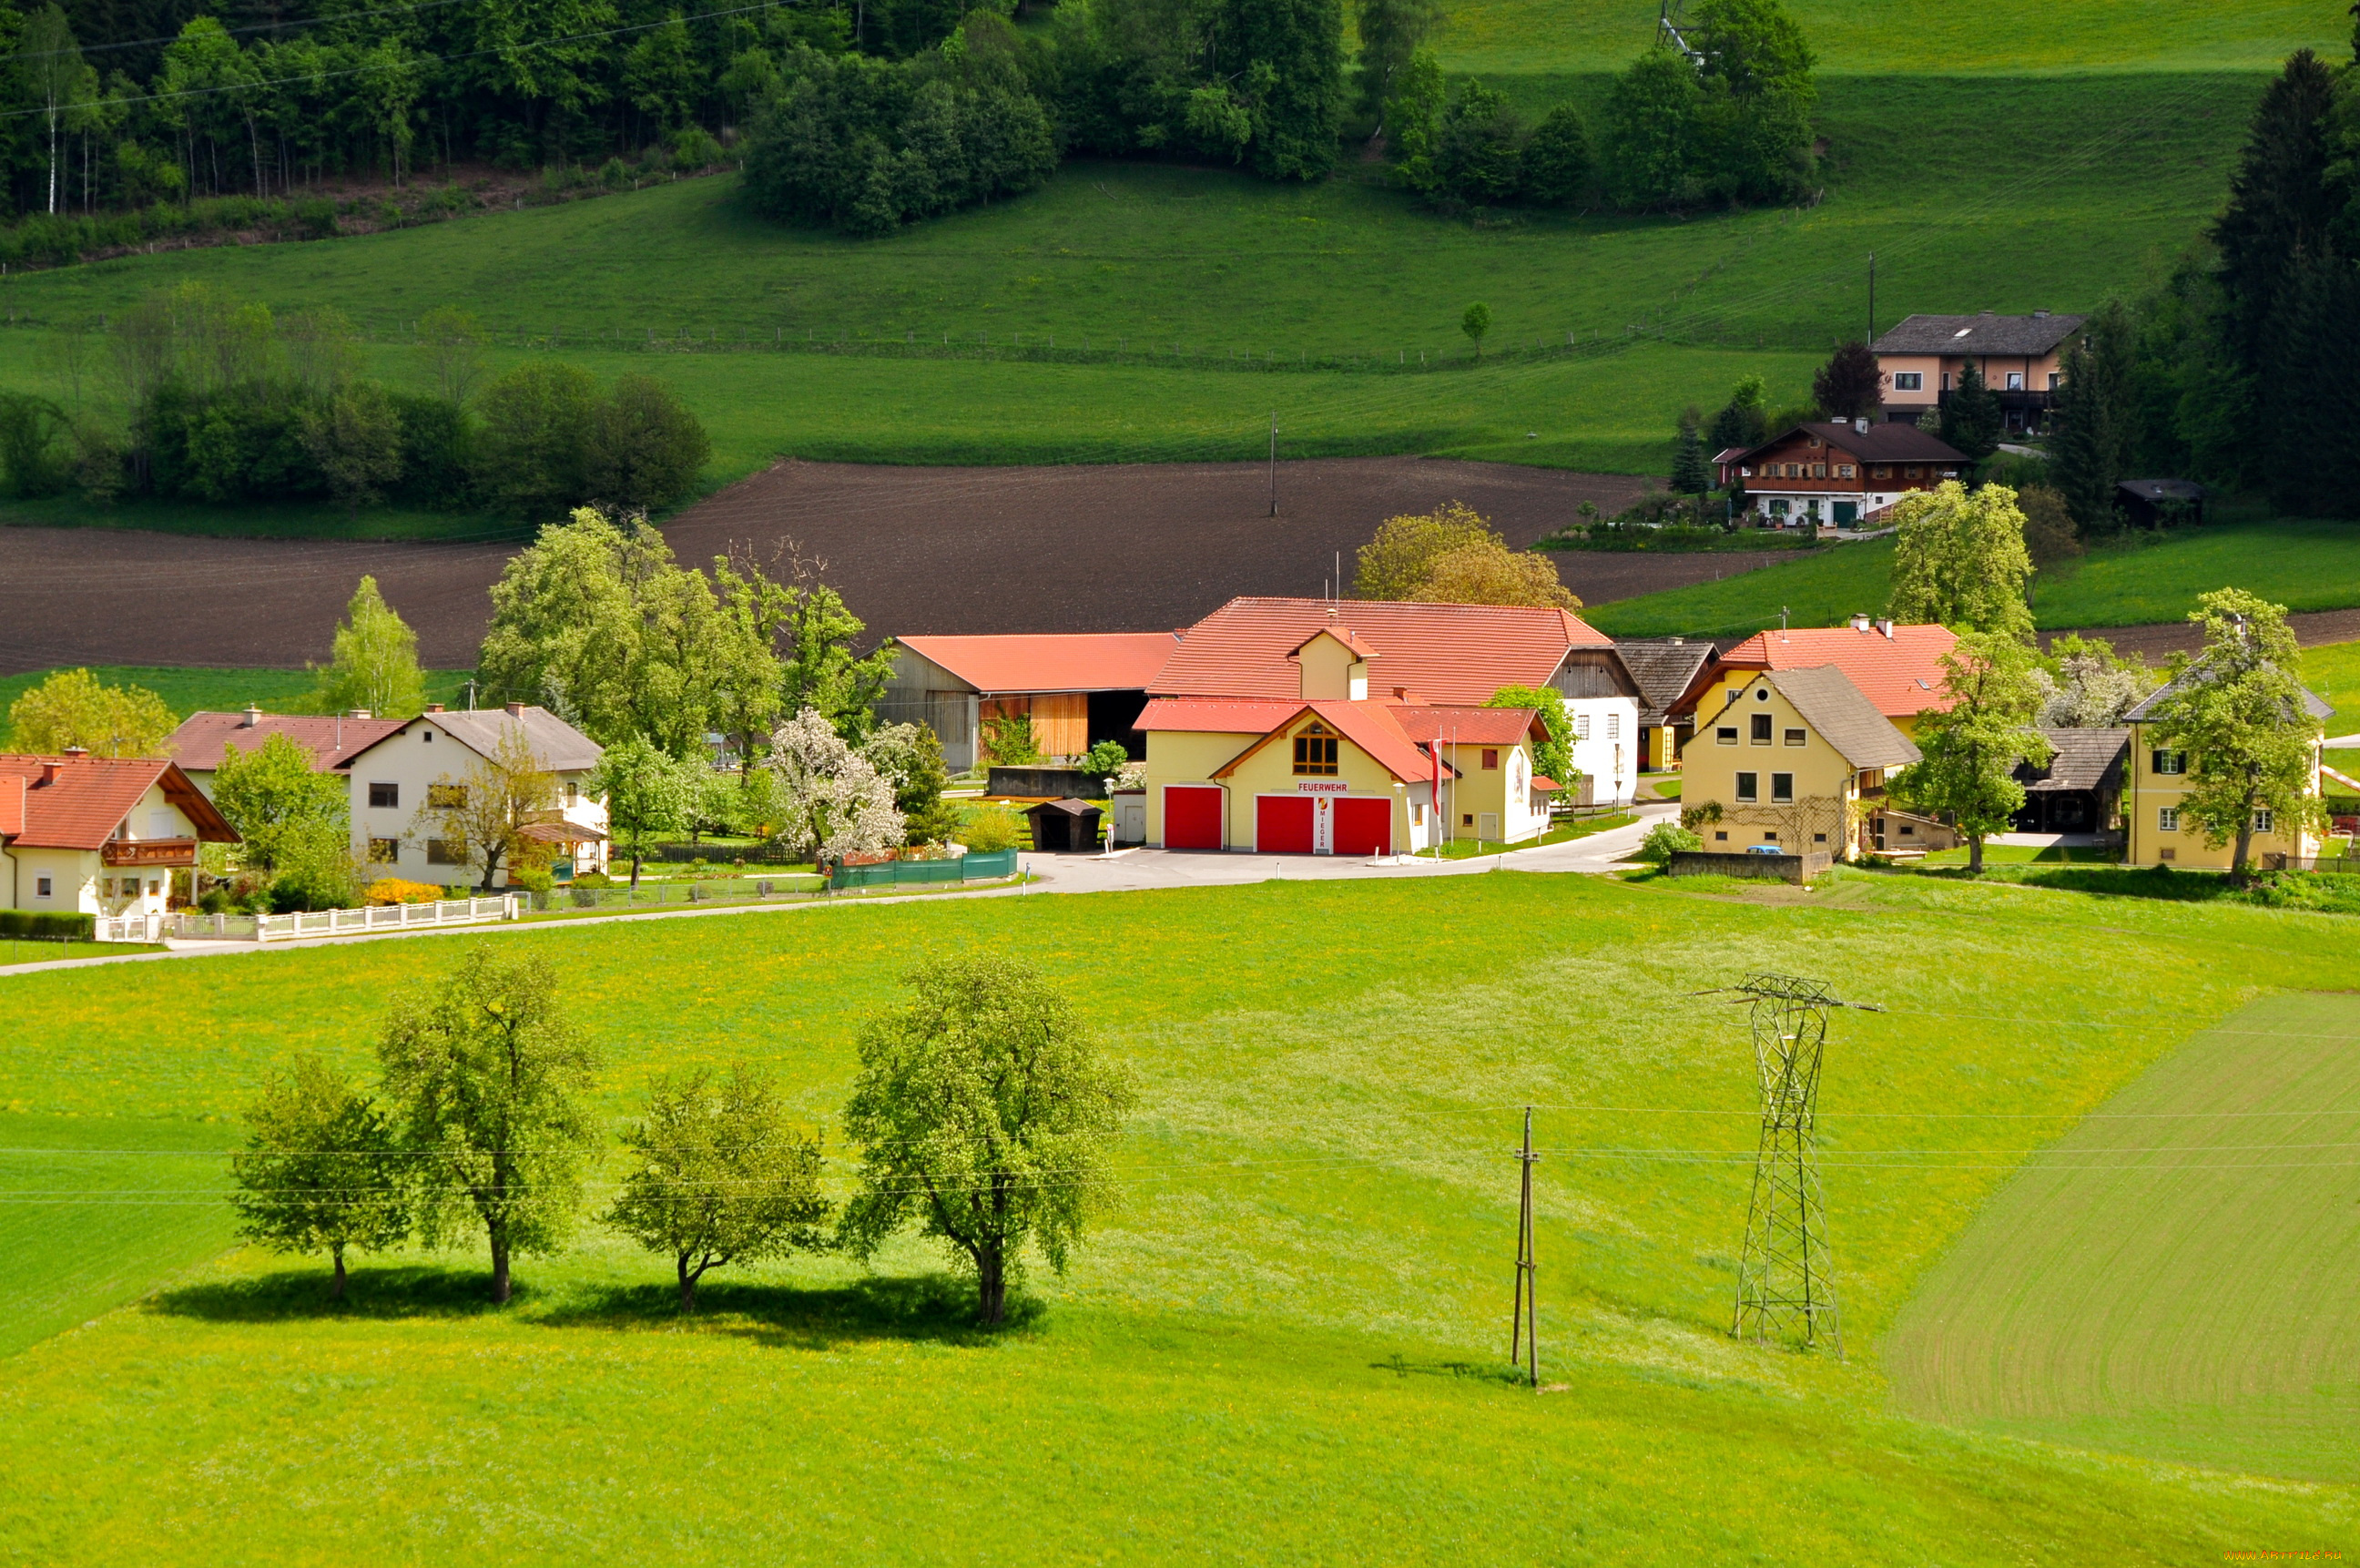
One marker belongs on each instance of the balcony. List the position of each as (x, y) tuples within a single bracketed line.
[(149, 852)]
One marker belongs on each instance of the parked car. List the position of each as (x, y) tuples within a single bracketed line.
[(1764, 849)]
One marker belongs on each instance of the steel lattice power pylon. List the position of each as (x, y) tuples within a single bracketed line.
[(1785, 1277)]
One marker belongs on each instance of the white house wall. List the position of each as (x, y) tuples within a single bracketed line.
[(410, 761)]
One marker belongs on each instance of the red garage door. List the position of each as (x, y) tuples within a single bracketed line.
[(1283, 824), (1364, 826), (1192, 817)]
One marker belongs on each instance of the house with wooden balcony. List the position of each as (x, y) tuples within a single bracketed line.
[(1838, 474), (84, 835), (1921, 363), (1793, 761)]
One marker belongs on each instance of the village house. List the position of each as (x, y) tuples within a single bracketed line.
[(1664, 666), (84, 835), (1920, 362), (1796, 759), (404, 780), (2158, 835), (199, 743), (2079, 788), (1837, 474), (1076, 689), (1323, 727), (1897, 668)]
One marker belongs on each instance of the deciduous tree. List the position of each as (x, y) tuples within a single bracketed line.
[(74, 707), (1395, 562), (354, 437), (1847, 385), (649, 794), (2085, 685), (833, 799), (481, 815), (2250, 731), (1475, 323), (1958, 560), (718, 1175), (488, 1077), (983, 1110), (1553, 758), (284, 808), (1491, 573), (322, 1168), (1972, 746), (373, 663), (1556, 159)]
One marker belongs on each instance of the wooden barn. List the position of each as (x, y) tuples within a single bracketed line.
[(1076, 688)]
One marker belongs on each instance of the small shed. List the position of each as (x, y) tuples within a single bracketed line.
[(2150, 503), (1062, 825), (2079, 790)]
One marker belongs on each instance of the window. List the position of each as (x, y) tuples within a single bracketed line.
[(40, 887), (1946, 381), (1581, 727), (2167, 820), (1871, 778), (1818, 838), (1416, 815), (106, 888), (2170, 764), (2263, 820), (1490, 760), (384, 851), (1315, 753), (1769, 835), (1782, 787), (154, 887), (1795, 737), (1914, 471), (572, 795), (1909, 380), (1762, 730), (2015, 380), (1726, 735), (1819, 470), (2054, 381), (1909, 830), (1614, 727), (428, 736), (1845, 471), (446, 798), (1721, 837), (1749, 786), (445, 852), (1885, 470), (384, 796), (1466, 819)]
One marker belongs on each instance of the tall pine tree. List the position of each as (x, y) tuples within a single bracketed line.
[(2096, 418), (1972, 420)]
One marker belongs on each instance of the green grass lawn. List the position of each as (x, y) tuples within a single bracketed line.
[(23, 950), (2333, 669), (2026, 855), (188, 690), (2299, 564), (1288, 1346), (1174, 296), (2164, 1279), (1470, 848)]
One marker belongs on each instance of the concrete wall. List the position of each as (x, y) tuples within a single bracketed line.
[(1763, 868)]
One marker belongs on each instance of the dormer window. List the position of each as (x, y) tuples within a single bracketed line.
[(1315, 752)]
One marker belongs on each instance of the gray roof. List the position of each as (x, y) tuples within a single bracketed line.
[(2164, 489), (1662, 667), (1845, 719), (557, 746), (2085, 759), (2145, 711), (1979, 335)]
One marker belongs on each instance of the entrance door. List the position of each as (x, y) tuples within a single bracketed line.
[(1284, 824), (1365, 826), (1192, 817), (1846, 513)]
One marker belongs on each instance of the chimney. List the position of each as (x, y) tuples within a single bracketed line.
[(1885, 625), (49, 771), (433, 708), (1860, 424), (1860, 623), (253, 716), (516, 710), (77, 751), (360, 713)]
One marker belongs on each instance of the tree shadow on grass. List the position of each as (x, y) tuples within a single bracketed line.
[(395, 1291), (934, 1308), (1496, 1373)]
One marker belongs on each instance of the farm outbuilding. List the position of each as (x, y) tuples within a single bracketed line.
[(1076, 689), (1063, 825)]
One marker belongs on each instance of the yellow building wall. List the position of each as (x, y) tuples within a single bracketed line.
[(1271, 770), (1826, 791), (1728, 685), (1176, 756), (2150, 792)]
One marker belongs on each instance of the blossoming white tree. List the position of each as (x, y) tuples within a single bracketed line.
[(833, 797)]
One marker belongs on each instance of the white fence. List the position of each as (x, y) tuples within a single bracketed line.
[(315, 923)]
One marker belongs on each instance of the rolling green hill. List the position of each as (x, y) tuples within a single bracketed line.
[(1287, 1346)]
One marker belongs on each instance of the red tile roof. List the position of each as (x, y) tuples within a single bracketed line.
[(12, 806), (1447, 653), (1369, 726), (82, 807), (1357, 646), (1468, 726), (202, 738), (1084, 661), (1901, 674), (1216, 718)]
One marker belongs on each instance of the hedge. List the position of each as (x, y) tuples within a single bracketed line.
[(54, 927)]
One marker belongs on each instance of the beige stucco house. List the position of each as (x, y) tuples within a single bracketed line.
[(1793, 758), (84, 835)]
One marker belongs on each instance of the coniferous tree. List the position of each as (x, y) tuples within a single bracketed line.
[(2279, 206), (1692, 475), (1971, 417), (2096, 415), (2315, 438)]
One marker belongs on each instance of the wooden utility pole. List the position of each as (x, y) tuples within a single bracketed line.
[(1525, 1331)]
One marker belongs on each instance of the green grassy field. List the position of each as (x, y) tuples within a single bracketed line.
[(2301, 564), (2172, 1276), (188, 690), (1288, 1347), (1161, 287)]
